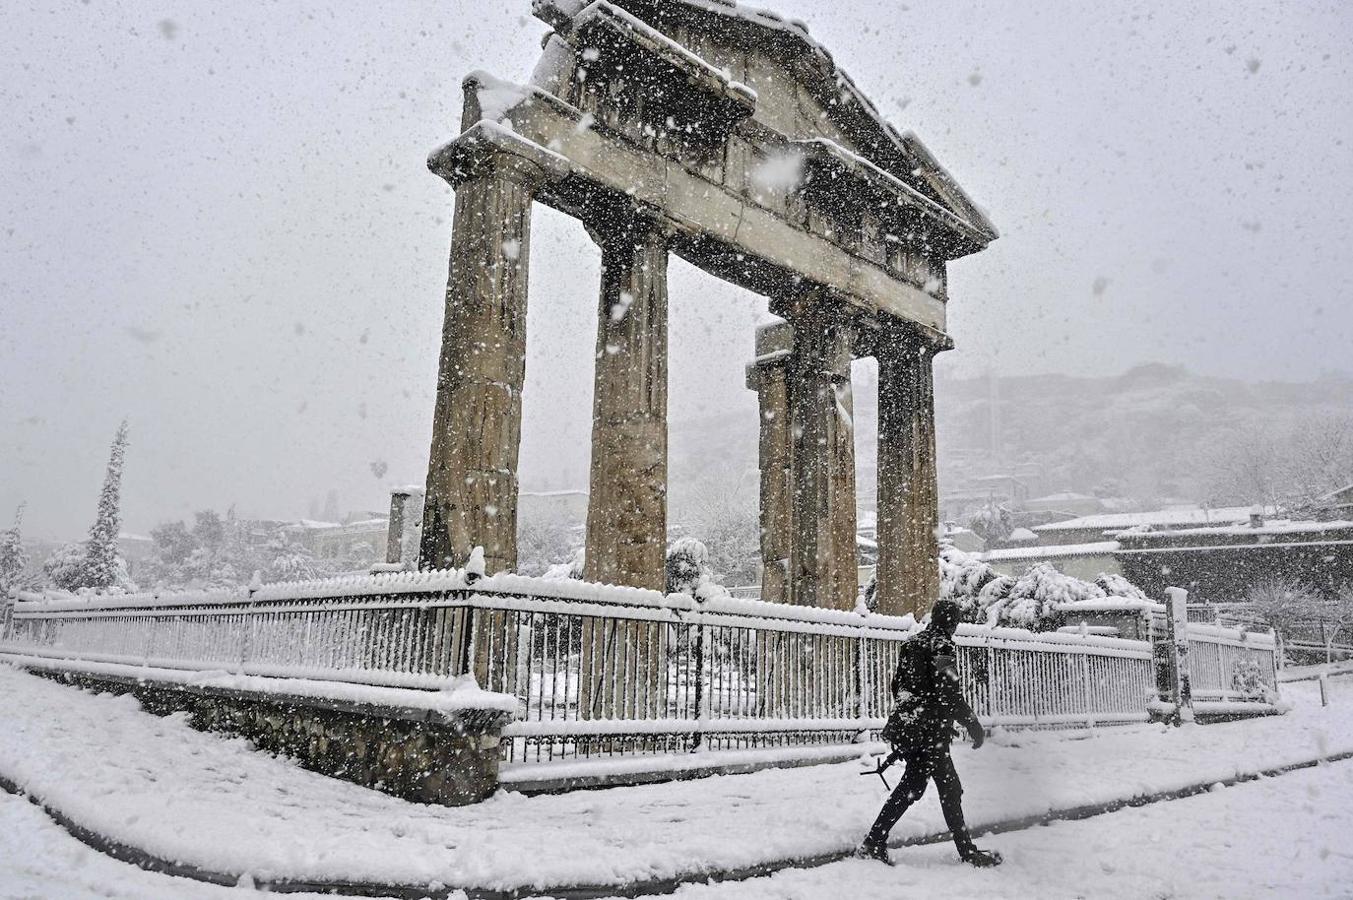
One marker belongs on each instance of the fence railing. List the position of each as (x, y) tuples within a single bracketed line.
[(1230, 665), (599, 670), (1309, 637)]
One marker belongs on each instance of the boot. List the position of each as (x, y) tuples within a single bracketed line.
[(873, 851), (968, 852), (982, 859)]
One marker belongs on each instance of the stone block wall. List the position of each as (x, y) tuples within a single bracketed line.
[(450, 763)]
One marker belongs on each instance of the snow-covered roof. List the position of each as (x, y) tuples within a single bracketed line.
[(1224, 515), (1021, 554), (1334, 494), (900, 153), (1110, 604), (1273, 526), (1062, 497)]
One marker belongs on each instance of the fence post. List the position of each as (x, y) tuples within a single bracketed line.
[(1085, 676), (1177, 640), (990, 654), (861, 678), (701, 700)]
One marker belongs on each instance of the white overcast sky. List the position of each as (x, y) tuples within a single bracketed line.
[(216, 221)]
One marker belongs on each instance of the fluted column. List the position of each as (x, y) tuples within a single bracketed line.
[(822, 559), (768, 375), (908, 502), (627, 498), (476, 432)]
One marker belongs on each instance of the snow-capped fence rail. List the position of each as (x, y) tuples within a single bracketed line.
[(600, 670), (605, 672), (1209, 669)]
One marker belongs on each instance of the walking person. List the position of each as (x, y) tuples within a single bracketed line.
[(927, 703)]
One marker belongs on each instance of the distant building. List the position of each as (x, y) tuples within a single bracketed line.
[(1336, 505), (1220, 564), (332, 540), (1083, 561), (1103, 526)]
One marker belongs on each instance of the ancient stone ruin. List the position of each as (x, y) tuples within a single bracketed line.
[(732, 139)]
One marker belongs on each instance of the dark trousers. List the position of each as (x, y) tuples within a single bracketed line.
[(928, 764)]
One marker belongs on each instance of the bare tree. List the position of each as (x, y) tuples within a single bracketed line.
[(723, 515), (1247, 467), (1335, 616), (1282, 604), (1321, 457), (1253, 466), (544, 542)]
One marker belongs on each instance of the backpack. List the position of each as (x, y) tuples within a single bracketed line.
[(912, 682)]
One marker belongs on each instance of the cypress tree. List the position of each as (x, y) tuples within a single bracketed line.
[(102, 558)]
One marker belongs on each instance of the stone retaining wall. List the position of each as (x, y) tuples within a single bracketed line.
[(452, 762)]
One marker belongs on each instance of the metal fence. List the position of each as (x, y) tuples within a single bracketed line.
[(1304, 638), (603, 671), (1231, 666)]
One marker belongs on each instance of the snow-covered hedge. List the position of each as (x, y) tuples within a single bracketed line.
[(1032, 600)]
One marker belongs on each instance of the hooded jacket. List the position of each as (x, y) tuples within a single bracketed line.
[(927, 693)]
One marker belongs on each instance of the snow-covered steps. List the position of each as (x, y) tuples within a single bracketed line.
[(214, 804)]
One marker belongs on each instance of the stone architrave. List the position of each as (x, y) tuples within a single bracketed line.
[(908, 516), (627, 501), (476, 432)]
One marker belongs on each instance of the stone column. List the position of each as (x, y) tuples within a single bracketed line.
[(476, 431), (768, 375), (908, 500), (822, 559), (627, 500)]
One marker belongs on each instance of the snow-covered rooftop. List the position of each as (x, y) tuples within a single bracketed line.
[(1272, 526), (1223, 515), (1009, 554)]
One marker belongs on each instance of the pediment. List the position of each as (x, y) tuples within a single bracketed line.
[(793, 84)]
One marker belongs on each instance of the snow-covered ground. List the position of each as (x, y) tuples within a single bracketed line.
[(1280, 837), (212, 802), (38, 859)]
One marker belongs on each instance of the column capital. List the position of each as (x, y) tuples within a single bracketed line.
[(488, 148), (623, 221), (881, 337), (774, 347)]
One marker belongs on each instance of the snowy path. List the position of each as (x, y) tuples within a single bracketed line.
[(1207, 846), (211, 802), (38, 859), (1279, 837)]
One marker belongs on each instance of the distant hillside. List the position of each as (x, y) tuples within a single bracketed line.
[(1153, 433)]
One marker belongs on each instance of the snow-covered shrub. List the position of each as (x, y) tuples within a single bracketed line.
[(69, 569), (962, 580), (869, 593), (1245, 678), (1117, 586), (1032, 600), (688, 570), (66, 566), (992, 524), (570, 569)]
